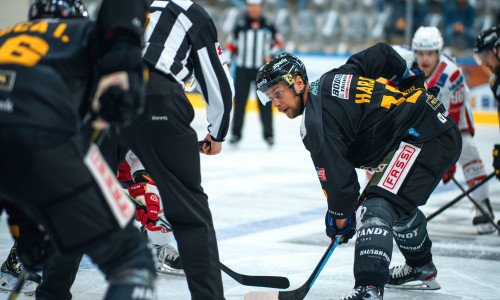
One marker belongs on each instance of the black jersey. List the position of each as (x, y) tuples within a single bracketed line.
[(359, 120), (48, 67), (495, 88)]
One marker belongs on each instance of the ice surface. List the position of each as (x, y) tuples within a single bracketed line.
[(268, 211)]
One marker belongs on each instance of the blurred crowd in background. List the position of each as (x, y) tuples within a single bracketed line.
[(340, 26)]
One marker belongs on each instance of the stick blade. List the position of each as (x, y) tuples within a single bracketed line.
[(262, 296)]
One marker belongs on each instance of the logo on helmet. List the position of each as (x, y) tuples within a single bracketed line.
[(288, 78), (278, 64), (261, 83)]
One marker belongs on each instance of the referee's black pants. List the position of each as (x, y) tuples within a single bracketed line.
[(167, 145), (244, 77)]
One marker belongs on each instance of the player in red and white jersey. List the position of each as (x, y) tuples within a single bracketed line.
[(132, 175)]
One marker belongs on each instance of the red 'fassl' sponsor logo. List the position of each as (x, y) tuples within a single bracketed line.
[(398, 167)]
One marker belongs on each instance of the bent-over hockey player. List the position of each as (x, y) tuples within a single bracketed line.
[(49, 70), (486, 48), (351, 121), (426, 54)]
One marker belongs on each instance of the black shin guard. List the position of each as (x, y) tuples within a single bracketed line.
[(412, 239), (372, 255), (373, 249)]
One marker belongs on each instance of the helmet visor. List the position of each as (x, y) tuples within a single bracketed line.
[(264, 86)]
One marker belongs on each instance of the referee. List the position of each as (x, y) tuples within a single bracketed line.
[(181, 40), (251, 44)]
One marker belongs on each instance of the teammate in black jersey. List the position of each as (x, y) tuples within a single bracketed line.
[(486, 49), (49, 71), (352, 121)]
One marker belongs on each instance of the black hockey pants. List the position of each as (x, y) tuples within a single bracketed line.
[(43, 173), (384, 215)]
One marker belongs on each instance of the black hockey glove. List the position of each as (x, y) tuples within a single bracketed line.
[(416, 81), (347, 233), (496, 160), (120, 107), (434, 90)]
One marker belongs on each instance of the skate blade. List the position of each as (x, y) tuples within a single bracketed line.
[(262, 296), (485, 228), (170, 271), (423, 285)]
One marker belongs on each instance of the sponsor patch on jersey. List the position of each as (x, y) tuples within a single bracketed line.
[(442, 80), (6, 106), (413, 132), (432, 101), (340, 86), (321, 173), (313, 89), (454, 76), (398, 168), (442, 118), (7, 79), (122, 208)]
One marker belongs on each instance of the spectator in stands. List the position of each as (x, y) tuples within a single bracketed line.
[(459, 20), (252, 43), (396, 25)]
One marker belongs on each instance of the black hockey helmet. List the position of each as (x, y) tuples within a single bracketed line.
[(487, 40), (40, 9), (283, 67)]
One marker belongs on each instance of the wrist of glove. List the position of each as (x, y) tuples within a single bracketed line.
[(347, 233), (496, 160), (120, 106), (449, 175), (416, 81), (147, 205)]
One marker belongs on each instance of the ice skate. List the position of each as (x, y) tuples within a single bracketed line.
[(415, 278), (169, 260), (11, 269), (365, 292), (481, 221)]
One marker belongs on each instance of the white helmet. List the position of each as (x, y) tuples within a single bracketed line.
[(427, 38)]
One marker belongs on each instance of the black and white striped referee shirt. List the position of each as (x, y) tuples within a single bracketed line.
[(181, 38), (251, 41)]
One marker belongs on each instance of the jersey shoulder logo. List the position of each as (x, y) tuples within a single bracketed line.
[(7, 79), (313, 89)]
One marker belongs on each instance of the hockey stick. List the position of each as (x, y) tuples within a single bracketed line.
[(277, 282), (19, 284), (439, 71), (458, 198), (301, 292), (486, 214)]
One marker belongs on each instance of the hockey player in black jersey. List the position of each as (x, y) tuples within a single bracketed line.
[(486, 49), (50, 68), (351, 121)]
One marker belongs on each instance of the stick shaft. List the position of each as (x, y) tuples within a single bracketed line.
[(476, 204), (458, 198)]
